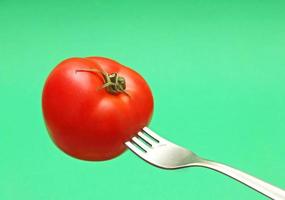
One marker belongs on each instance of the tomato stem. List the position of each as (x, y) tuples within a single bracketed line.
[(113, 83)]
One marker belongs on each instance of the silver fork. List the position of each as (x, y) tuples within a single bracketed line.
[(167, 155)]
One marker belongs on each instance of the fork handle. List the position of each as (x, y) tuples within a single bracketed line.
[(263, 187)]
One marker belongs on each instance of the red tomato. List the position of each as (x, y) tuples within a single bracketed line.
[(88, 121)]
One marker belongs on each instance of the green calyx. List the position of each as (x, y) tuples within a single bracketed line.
[(113, 83)]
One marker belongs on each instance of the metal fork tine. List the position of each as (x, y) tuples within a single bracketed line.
[(140, 143), (146, 138), (135, 149), (152, 134)]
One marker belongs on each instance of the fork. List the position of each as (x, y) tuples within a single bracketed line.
[(166, 155)]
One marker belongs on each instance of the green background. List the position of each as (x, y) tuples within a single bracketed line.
[(217, 72)]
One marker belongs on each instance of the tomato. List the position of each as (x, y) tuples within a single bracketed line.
[(92, 106)]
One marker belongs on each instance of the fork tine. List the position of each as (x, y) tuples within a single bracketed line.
[(135, 149), (140, 143), (152, 134), (146, 138)]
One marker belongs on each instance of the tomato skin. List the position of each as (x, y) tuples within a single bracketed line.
[(89, 123)]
